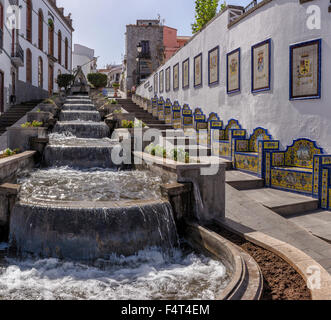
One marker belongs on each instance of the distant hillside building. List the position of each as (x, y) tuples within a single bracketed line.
[(84, 57), (158, 44)]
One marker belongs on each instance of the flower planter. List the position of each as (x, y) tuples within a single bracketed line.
[(41, 116), (48, 107), (19, 138)]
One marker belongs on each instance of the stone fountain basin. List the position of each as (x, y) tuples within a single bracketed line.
[(82, 107), (83, 129), (80, 115), (86, 231)]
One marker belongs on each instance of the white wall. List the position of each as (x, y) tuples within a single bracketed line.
[(59, 24), (285, 22), (5, 59)]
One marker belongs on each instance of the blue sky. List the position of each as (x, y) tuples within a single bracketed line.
[(100, 24)]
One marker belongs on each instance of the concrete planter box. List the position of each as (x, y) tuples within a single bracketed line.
[(207, 178), (48, 107), (41, 116), (19, 138)]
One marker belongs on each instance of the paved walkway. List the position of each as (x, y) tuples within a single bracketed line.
[(318, 223), (247, 215)]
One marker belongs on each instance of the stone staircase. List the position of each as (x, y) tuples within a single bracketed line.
[(14, 114), (144, 116), (283, 203)]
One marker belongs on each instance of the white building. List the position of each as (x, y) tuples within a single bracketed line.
[(115, 75), (35, 51), (84, 57), (286, 23)]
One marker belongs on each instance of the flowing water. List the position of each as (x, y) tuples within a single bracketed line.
[(103, 233), (150, 274)]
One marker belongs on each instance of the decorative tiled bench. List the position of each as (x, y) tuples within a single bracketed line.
[(168, 112), (297, 169), (200, 126), (214, 123), (176, 115), (160, 109), (187, 119), (222, 139), (154, 106), (249, 154)]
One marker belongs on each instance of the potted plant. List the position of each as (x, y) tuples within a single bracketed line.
[(19, 137)]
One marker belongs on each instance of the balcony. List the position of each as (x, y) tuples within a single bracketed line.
[(18, 56)]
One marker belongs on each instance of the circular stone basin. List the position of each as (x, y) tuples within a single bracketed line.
[(64, 184), (149, 275)]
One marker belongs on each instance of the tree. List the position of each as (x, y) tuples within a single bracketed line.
[(65, 80), (205, 10), (98, 80)]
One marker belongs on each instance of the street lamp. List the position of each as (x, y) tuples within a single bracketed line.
[(139, 49)]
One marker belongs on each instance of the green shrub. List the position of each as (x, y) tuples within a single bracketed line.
[(49, 101), (65, 80), (113, 101), (116, 85), (98, 80), (127, 124), (8, 152), (33, 124)]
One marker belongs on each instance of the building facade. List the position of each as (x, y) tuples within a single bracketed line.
[(287, 42), (84, 57), (36, 47), (158, 44)]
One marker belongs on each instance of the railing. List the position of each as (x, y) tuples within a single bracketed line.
[(250, 6), (18, 52)]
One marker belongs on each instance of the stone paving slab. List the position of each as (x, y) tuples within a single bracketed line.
[(248, 216), (283, 202), (317, 222)]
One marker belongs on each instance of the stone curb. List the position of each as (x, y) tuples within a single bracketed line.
[(300, 261)]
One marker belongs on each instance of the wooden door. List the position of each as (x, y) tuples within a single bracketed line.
[(2, 92)]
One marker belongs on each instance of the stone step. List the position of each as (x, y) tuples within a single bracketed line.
[(317, 222), (173, 133), (282, 202), (243, 181), (198, 150), (181, 141)]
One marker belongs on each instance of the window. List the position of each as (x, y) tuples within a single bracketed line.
[(66, 54), (145, 49), (41, 30), (40, 73), (28, 66), (29, 20), (59, 46), (51, 37)]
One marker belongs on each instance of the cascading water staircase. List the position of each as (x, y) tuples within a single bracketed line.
[(80, 207)]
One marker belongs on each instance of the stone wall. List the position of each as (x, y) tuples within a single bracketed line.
[(135, 34)]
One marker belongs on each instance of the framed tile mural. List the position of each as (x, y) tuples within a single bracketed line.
[(161, 81), (176, 77), (167, 79), (305, 70), (214, 66), (261, 66), (198, 71), (233, 71), (156, 85), (186, 73)]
